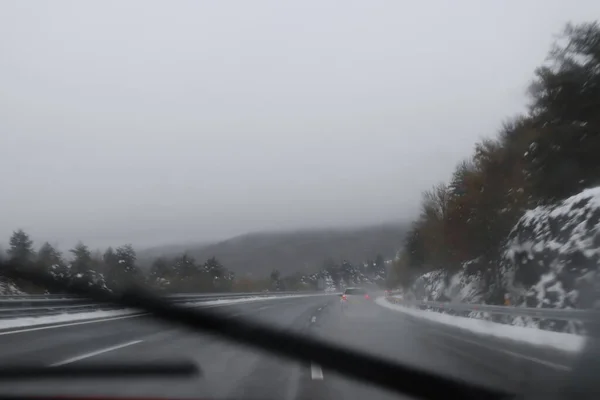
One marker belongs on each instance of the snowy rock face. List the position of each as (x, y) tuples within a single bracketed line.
[(552, 255), (551, 259), (441, 286)]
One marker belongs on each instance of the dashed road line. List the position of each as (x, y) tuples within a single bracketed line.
[(316, 373), (313, 319), (95, 353)]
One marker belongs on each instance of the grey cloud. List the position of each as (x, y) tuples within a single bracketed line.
[(152, 121)]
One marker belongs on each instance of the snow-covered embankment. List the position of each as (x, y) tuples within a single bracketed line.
[(558, 340), (550, 259)]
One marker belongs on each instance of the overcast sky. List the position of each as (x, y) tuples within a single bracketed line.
[(165, 121)]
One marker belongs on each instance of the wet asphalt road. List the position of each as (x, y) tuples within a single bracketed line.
[(234, 371)]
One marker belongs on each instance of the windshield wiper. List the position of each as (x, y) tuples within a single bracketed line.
[(99, 371), (356, 364)]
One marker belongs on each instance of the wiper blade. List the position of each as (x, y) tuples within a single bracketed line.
[(356, 364), (99, 371)]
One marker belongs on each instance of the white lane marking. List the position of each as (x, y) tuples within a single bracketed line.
[(93, 321), (320, 308), (316, 372), (251, 312), (161, 335), (313, 319), (511, 353), (95, 353)]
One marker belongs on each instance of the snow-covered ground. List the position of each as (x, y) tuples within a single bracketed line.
[(538, 337), (8, 288), (246, 299), (74, 317), (57, 319)]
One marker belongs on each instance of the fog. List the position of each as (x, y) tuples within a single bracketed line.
[(152, 122)]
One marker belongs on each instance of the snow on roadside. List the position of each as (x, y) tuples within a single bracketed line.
[(245, 300), (538, 337), (55, 319), (74, 317)]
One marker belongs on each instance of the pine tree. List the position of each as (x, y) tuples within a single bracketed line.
[(81, 265), (348, 272), (120, 266), (160, 274), (193, 276), (22, 254), (276, 279), (111, 268), (50, 261), (48, 255), (21, 248), (214, 268), (126, 258), (185, 268), (566, 102), (221, 278), (109, 256)]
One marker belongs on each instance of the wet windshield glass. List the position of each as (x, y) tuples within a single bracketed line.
[(419, 182)]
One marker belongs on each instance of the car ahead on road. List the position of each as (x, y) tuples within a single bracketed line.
[(354, 296)]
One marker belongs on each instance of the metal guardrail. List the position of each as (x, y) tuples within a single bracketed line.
[(13, 306), (540, 313), (42, 305), (197, 295)]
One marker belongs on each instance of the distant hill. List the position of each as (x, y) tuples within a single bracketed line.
[(147, 256), (257, 254)]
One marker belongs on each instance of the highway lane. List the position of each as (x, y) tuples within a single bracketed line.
[(457, 353), (233, 371), (50, 344)]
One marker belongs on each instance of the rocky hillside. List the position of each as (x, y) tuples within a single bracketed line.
[(551, 259), (552, 256)]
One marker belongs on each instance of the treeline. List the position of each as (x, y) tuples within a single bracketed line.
[(549, 153), (115, 268), (333, 275), (348, 274)]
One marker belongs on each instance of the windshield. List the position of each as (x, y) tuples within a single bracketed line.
[(417, 182)]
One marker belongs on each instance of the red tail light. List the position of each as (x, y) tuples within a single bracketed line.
[(367, 296)]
